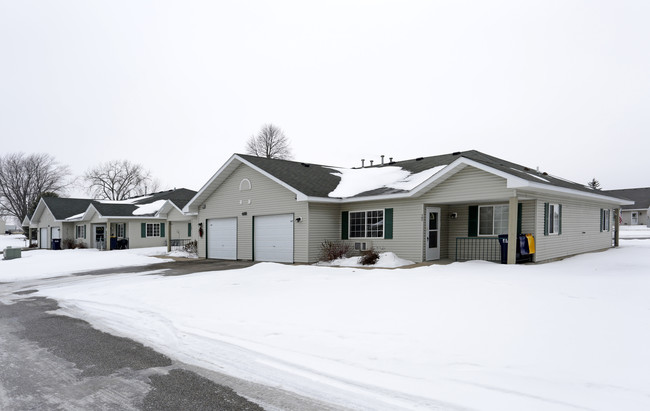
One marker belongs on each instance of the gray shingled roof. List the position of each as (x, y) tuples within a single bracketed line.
[(318, 180), (310, 179), (63, 208), (640, 196)]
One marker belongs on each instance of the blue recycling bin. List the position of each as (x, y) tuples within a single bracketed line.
[(503, 242), (56, 244)]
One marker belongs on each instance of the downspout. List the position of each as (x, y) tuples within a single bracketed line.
[(169, 237), (617, 225)]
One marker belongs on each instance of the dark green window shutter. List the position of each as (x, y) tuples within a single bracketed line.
[(143, 230), (189, 229), (472, 222), (601, 219), (519, 214), (388, 224), (546, 209), (559, 231), (84, 226), (344, 225), (162, 229)]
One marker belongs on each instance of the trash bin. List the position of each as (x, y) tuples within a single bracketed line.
[(113, 243), (503, 241), (56, 244)]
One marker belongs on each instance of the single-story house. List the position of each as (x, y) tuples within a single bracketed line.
[(450, 206), (145, 221), (637, 213)]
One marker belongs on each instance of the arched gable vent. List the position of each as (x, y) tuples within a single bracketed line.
[(245, 185)]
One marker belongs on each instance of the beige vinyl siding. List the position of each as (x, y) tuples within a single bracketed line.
[(134, 233), (324, 224), (179, 223), (580, 229), (47, 221), (266, 197), (408, 226), (468, 186)]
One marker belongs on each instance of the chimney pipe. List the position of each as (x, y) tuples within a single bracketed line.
[(363, 160), (371, 161), (382, 159), (390, 159)]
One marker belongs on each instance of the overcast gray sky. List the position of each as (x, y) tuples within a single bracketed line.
[(179, 86)]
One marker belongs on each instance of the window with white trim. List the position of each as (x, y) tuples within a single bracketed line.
[(493, 219), (605, 219), (554, 219), (120, 230), (367, 224), (80, 231), (153, 230)]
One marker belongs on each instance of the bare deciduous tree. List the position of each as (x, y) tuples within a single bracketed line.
[(119, 180), (270, 142), (23, 178)]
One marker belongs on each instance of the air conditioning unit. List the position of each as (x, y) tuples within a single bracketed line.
[(362, 245)]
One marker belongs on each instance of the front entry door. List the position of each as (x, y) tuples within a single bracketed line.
[(433, 233), (100, 237)]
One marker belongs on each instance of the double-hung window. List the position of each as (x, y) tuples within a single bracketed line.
[(553, 219), (493, 220), (367, 224), (153, 230), (80, 231), (604, 220)]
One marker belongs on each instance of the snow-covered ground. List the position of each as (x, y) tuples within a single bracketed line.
[(36, 264), (634, 231), (566, 335)]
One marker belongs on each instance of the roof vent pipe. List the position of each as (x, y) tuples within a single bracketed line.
[(363, 160), (390, 159), (371, 161), (382, 159)]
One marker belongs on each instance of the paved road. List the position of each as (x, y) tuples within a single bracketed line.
[(54, 362)]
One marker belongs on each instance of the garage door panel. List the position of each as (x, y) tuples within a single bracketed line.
[(274, 238), (222, 238)]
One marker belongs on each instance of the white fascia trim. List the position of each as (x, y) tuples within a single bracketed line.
[(571, 192), (207, 185), (299, 195)]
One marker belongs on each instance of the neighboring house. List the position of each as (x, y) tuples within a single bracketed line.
[(145, 221), (637, 213), (444, 207)]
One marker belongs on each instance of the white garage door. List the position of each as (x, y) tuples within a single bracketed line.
[(222, 238), (274, 238)]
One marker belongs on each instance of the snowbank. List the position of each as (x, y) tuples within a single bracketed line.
[(559, 336), (49, 263)]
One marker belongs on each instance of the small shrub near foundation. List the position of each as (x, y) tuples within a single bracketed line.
[(369, 257), (332, 250)]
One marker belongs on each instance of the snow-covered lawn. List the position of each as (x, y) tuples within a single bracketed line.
[(35, 264), (566, 335), (634, 231)]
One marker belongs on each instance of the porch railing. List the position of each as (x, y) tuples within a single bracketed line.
[(478, 248), (183, 245)]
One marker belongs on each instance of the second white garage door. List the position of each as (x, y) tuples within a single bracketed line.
[(222, 238), (274, 238)]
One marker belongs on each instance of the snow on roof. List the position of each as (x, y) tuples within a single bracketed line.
[(149, 208), (75, 217), (359, 180)]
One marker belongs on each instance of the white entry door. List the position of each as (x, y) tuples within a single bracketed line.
[(43, 239), (433, 233), (56, 233), (222, 238), (635, 218), (274, 238)]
